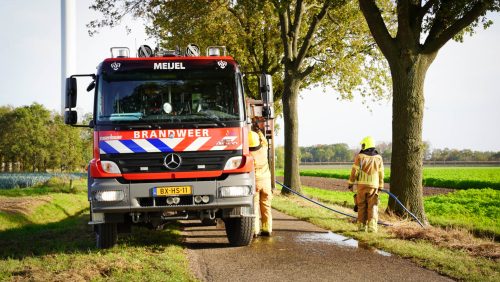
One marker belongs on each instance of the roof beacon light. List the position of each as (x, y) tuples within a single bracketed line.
[(192, 50), (144, 51), (216, 50), (120, 52)]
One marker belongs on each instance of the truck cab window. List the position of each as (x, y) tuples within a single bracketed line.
[(197, 96)]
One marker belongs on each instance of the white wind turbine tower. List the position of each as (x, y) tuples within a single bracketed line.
[(68, 44)]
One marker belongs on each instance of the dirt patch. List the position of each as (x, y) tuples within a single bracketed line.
[(450, 238), (23, 205), (341, 185)]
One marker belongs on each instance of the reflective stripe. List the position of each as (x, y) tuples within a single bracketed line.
[(161, 146), (146, 145), (118, 146), (133, 146), (171, 142), (197, 144)]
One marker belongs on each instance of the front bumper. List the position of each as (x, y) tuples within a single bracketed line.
[(138, 197)]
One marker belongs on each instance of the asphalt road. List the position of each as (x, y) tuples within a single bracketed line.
[(298, 251)]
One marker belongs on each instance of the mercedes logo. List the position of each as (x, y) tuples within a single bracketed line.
[(172, 161)]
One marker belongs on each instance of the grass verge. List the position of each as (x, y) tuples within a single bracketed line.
[(456, 263), (476, 210), (49, 240)]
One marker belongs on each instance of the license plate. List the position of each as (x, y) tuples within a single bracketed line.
[(171, 191)]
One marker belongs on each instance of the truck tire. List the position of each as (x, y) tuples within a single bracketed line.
[(106, 235), (239, 230)]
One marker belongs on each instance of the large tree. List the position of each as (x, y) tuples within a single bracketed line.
[(303, 43), (423, 27)]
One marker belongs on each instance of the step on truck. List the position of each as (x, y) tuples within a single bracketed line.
[(170, 141)]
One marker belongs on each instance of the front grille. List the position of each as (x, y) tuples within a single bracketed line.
[(162, 201), (191, 161)]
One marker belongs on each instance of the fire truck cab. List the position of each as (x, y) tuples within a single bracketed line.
[(170, 142)]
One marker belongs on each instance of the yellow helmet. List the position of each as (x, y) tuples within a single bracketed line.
[(368, 142), (253, 139)]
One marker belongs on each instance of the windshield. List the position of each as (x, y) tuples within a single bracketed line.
[(169, 97)]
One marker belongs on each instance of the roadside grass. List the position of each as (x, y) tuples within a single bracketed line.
[(44, 236), (456, 263), (50, 202), (64, 251), (446, 177), (476, 210)]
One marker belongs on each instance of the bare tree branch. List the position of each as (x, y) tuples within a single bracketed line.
[(284, 24), (426, 8), (306, 72), (377, 26), (438, 38), (312, 29), (299, 11), (405, 32)]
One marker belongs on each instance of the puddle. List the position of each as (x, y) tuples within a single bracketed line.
[(339, 240)]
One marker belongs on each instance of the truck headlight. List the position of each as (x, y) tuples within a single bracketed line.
[(110, 167), (233, 163), (235, 191), (109, 196)]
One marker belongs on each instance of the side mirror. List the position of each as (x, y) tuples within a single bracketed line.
[(70, 117), (266, 93), (71, 90)]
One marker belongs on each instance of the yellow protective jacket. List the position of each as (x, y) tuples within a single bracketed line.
[(260, 160), (368, 169)]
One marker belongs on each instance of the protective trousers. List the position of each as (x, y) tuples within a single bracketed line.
[(262, 205), (367, 201)]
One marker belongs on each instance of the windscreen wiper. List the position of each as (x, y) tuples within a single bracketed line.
[(150, 124), (133, 126), (213, 118)]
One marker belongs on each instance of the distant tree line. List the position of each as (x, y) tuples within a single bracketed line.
[(32, 138), (463, 155), (342, 153)]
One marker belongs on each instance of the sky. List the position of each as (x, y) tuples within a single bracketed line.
[(461, 88)]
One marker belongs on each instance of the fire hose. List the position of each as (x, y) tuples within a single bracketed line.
[(345, 214), (401, 204), (321, 205)]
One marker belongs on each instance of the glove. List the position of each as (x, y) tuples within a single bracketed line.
[(350, 187)]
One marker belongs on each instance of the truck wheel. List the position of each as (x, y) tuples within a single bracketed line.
[(239, 230), (106, 235)]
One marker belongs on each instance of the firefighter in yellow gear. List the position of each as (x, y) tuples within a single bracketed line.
[(368, 173), (262, 199)]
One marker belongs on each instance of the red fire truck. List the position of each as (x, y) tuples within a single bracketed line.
[(170, 141)]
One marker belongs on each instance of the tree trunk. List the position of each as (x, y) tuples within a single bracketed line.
[(408, 75), (291, 121)]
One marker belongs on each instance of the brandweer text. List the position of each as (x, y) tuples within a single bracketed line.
[(173, 133)]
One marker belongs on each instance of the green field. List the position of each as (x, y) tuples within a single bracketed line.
[(446, 177), (44, 236)]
